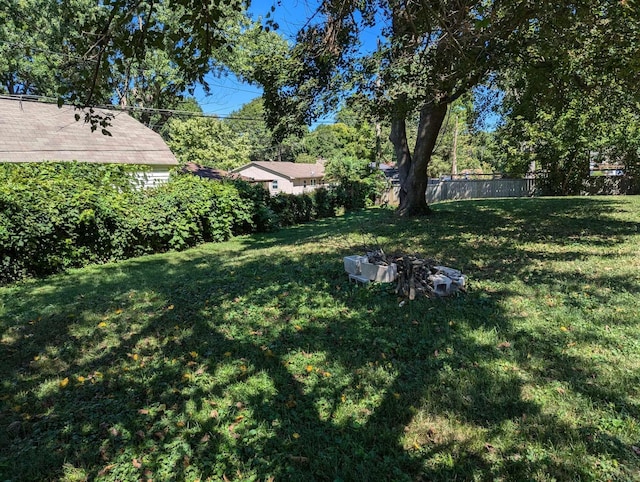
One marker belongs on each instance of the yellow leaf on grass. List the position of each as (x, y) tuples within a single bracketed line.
[(193, 354), (80, 379), (102, 324), (64, 383), (309, 368), (170, 307), (295, 435), (119, 310)]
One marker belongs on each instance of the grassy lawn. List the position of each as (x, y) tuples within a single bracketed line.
[(257, 360)]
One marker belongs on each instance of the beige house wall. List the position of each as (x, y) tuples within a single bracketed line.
[(284, 184)]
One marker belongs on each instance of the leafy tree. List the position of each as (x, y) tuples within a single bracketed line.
[(460, 145), (209, 142), (339, 140), (249, 121), (357, 182), (433, 53), (138, 53), (574, 102), (25, 48)]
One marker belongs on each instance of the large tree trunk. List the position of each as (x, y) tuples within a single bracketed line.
[(412, 169)]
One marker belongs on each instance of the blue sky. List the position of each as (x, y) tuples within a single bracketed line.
[(228, 94)]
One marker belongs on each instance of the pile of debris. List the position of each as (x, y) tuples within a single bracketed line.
[(424, 277), (414, 276)]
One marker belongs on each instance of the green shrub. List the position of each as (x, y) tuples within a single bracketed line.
[(263, 217), (54, 216), (325, 202), (292, 209)]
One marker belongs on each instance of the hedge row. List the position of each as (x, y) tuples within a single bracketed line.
[(54, 216)]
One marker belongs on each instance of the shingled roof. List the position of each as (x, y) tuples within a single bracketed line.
[(38, 131)]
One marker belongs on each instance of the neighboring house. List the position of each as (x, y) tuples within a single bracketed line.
[(214, 174), (287, 177), (206, 172), (37, 131), (390, 172)]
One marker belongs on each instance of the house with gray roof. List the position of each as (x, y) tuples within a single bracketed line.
[(33, 131), (286, 177)]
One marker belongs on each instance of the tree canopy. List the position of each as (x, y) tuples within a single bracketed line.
[(429, 55), (574, 102), (133, 52)]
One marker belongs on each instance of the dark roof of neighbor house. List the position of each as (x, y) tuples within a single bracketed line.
[(290, 170), (37, 131), (210, 172)]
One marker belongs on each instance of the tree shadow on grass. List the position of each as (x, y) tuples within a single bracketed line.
[(215, 364)]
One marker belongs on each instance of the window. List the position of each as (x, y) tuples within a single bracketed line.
[(274, 184), (313, 182), (304, 183)]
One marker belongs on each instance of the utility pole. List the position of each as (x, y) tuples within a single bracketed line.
[(454, 148)]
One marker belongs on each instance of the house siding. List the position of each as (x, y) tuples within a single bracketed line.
[(155, 176), (285, 185)]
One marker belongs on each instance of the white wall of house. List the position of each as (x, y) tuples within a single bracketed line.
[(153, 176)]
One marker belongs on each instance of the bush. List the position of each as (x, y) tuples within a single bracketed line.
[(325, 202), (54, 216), (188, 211)]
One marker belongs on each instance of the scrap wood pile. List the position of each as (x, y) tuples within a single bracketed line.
[(420, 276)]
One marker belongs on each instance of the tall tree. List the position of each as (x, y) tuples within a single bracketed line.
[(209, 142), (249, 121), (433, 53)]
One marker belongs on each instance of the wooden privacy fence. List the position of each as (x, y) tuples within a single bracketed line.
[(470, 189)]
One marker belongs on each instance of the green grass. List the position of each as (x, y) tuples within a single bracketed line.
[(256, 359)]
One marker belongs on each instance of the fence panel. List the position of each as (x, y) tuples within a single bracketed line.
[(470, 189), (479, 189)]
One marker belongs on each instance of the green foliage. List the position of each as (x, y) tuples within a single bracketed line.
[(458, 131), (292, 209), (56, 216), (190, 210), (357, 183), (209, 142), (248, 122), (341, 140), (573, 100)]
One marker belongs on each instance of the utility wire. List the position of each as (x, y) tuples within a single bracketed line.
[(112, 107)]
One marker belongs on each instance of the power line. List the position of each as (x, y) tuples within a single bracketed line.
[(153, 110)]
